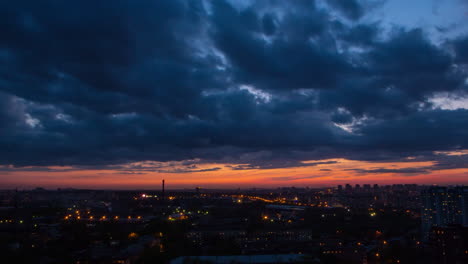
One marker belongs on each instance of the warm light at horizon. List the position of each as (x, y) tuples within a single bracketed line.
[(339, 171)]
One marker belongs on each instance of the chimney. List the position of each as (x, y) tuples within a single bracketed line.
[(163, 189)]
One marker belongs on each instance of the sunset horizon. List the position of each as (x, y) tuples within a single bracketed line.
[(233, 93), (234, 131)]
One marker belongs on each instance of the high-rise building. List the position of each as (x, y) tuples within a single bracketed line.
[(449, 244), (367, 187), (348, 188), (357, 188), (462, 202), (442, 206), (376, 187)]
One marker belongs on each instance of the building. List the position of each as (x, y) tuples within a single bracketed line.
[(357, 188), (367, 187), (348, 188), (443, 206), (241, 259), (449, 244)]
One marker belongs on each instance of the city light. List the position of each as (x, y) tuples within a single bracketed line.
[(274, 131)]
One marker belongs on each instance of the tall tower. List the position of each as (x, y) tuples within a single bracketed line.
[(163, 190)]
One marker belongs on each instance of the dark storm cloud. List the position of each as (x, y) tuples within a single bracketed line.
[(350, 8), (401, 72), (95, 84), (460, 45), (362, 35), (280, 163), (405, 171), (442, 161), (423, 131), (107, 57), (291, 178), (301, 54), (190, 170), (130, 173)]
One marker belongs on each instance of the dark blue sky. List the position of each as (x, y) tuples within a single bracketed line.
[(99, 83)]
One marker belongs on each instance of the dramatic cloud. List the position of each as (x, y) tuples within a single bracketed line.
[(351, 9), (262, 85), (405, 171)]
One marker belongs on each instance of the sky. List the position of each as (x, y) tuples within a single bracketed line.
[(232, 93)]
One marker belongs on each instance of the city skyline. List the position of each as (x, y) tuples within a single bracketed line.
[(233, 94), (265, 178)]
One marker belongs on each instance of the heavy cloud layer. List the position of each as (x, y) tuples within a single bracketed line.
[(109, 82)]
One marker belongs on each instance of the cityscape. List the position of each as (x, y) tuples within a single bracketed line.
[(234, 132), (400, 223)]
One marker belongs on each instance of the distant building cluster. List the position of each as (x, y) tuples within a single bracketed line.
[(444, 206), (360, 224)]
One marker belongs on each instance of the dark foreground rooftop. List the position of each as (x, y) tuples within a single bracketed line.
[(251, 259)]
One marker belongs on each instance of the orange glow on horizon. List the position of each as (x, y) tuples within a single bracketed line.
[(341, 172)]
